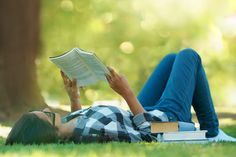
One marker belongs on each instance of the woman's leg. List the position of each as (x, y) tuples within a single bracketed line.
[(156, 83), (188, 84), (203, 105)]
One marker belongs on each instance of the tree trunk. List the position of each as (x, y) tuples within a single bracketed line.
[(19, 40)]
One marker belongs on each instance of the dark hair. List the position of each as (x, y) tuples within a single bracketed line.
[(30, 129)]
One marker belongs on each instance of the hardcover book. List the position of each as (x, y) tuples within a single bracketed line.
[(183, 137), (160, 127)]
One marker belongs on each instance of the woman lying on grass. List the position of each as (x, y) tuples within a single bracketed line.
[(178, 82)]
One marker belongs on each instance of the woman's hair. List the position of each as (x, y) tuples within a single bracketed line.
[(30, 129)]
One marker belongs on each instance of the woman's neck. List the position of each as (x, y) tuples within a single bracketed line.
[(66, 129)]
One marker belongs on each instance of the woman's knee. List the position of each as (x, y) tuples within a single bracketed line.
[(170, 56), (191, 54)]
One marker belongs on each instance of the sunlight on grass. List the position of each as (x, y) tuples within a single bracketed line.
[(226, 109), (4, 131), (227, 121), (115, 149)]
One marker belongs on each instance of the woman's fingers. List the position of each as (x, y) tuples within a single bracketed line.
[(114, 75), (63, 76), (66, 80), (74, 82), (112, 71), (108, 77)]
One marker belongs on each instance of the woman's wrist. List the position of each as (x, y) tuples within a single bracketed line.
[(75, 104), (74, 97), (74, 100), (128, 94), (133, 103)]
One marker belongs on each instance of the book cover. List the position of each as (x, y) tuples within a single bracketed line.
[(159, 127)]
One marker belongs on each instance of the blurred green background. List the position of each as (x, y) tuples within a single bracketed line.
[(133, 35)]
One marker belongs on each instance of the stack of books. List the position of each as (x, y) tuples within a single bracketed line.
[(178, 132)]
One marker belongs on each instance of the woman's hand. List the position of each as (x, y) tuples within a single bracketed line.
[(72, 91), (118, 83), (71, 87)]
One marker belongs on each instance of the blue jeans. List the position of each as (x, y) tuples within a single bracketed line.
[(178, 82)]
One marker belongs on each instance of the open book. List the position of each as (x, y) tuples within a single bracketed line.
[(84, 66)]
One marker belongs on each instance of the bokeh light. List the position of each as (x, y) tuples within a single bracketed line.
[(138, 34)]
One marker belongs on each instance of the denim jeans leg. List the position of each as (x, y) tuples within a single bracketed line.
[(156, 83), (178, 94), (203, 105), (184, 87)]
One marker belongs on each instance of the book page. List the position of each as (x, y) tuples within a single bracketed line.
[(72, 65), (98, 68), (185, 135)]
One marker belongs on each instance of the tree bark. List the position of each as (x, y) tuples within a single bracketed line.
[(19, 43)]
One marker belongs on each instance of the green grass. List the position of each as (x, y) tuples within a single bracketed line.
[(124, 149)]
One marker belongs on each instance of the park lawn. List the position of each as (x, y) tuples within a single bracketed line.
[(114, 149)]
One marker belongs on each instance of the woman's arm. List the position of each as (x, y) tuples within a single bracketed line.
[(73, 92), (121, 86)]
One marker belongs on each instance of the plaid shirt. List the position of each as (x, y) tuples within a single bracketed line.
[(109, 123)]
